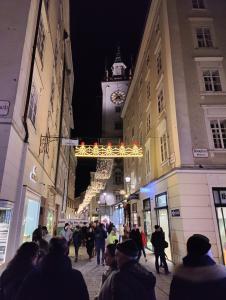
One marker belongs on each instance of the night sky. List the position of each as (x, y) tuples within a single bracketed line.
[(97, 28)]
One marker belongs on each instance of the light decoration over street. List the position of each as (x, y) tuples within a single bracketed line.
[(108, 151)]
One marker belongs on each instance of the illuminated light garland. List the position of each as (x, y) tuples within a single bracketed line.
[(104, 169), (108, 151)]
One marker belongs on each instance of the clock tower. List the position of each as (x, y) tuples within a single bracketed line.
[(114, 90)]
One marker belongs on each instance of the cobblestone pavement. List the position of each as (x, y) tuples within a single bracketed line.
[(93, 273)]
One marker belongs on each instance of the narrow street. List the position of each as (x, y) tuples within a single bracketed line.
[(93, 273)]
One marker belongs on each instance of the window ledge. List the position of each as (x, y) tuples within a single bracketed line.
[(213, 93)]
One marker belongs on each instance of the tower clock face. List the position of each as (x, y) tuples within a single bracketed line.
[(118, 97)]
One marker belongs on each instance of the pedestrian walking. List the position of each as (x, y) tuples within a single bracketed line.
[(110, 260), (90, 242), (100, 235), (54, 279), (159, 244), (112, 237), (84, 230), (136, 237), (17, 269), (67, 233), (132, 281), (77, 240), (143, 244), (199, 277), (45, 234)]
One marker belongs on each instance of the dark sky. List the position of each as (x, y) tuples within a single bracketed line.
[(97, 28)]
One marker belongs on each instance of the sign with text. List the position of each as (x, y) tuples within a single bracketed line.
[(175, 212), (4, 108), (69, 142), (200, 152)]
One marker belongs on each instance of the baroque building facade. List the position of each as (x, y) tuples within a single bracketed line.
[(35, 106), (176, 109)]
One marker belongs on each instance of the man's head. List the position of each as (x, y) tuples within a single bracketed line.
[(58, 246), (157, 228), (198, 245), (125, 252), (109, 254)]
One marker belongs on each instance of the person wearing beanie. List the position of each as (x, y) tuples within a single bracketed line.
[(199, 277), (132, 281)]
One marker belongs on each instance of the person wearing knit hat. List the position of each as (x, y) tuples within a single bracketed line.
[(132, 281), (199, 277)]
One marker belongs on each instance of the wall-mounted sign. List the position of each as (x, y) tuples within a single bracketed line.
[(175, 212), (4, 108), (69, 142), (33, 175), (200, 152)]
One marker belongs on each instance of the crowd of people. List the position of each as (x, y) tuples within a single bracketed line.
[(42, 269)]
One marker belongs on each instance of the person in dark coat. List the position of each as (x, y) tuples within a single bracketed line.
[(37, 234), (199, 277), (132, 281), (77, 240), (135, 235), (100, 235), (18, 268), (90, 242), (55, 279), (159, 243)]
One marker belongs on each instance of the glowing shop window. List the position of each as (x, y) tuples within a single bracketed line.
[(31, 219)]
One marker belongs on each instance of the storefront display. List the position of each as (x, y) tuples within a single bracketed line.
[(5, 217), (31, 217), (147, 221), (163, 219), (220, 204)]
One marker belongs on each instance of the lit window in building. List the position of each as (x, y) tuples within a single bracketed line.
[(159, 63), (33, 104), (161, 103), (118, 109), (212, 81), (198, 4), (41, 40), (218, 129), (204, 38), (164, 147)]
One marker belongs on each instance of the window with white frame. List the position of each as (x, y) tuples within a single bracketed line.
[(204, 38), (160, 102), (164, 147), (148, 123), (218, 131), (198, 4), (41, 39), (159, 62), (33, 104), (212, 81)]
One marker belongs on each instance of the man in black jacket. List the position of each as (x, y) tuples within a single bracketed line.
[(55, 279), (199, 277), (158, 242), (132, 281)]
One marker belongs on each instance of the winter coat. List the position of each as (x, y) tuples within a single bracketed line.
[(131, 282), (143, 239), (90, 239), (100, 235), (199, 279), (136, 237), (158, 241), (11, 281), (54, 280), (77, 238), (67, 234), (112, 237)]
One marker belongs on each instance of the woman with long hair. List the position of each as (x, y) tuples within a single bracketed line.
[(18, 268)]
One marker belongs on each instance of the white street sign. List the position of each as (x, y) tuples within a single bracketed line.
[(200, 152), (69, 142)]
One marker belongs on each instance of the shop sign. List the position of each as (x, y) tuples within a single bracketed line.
[(175, 212), (200, 153), (69, 142), (4, 108), (33, 175)]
